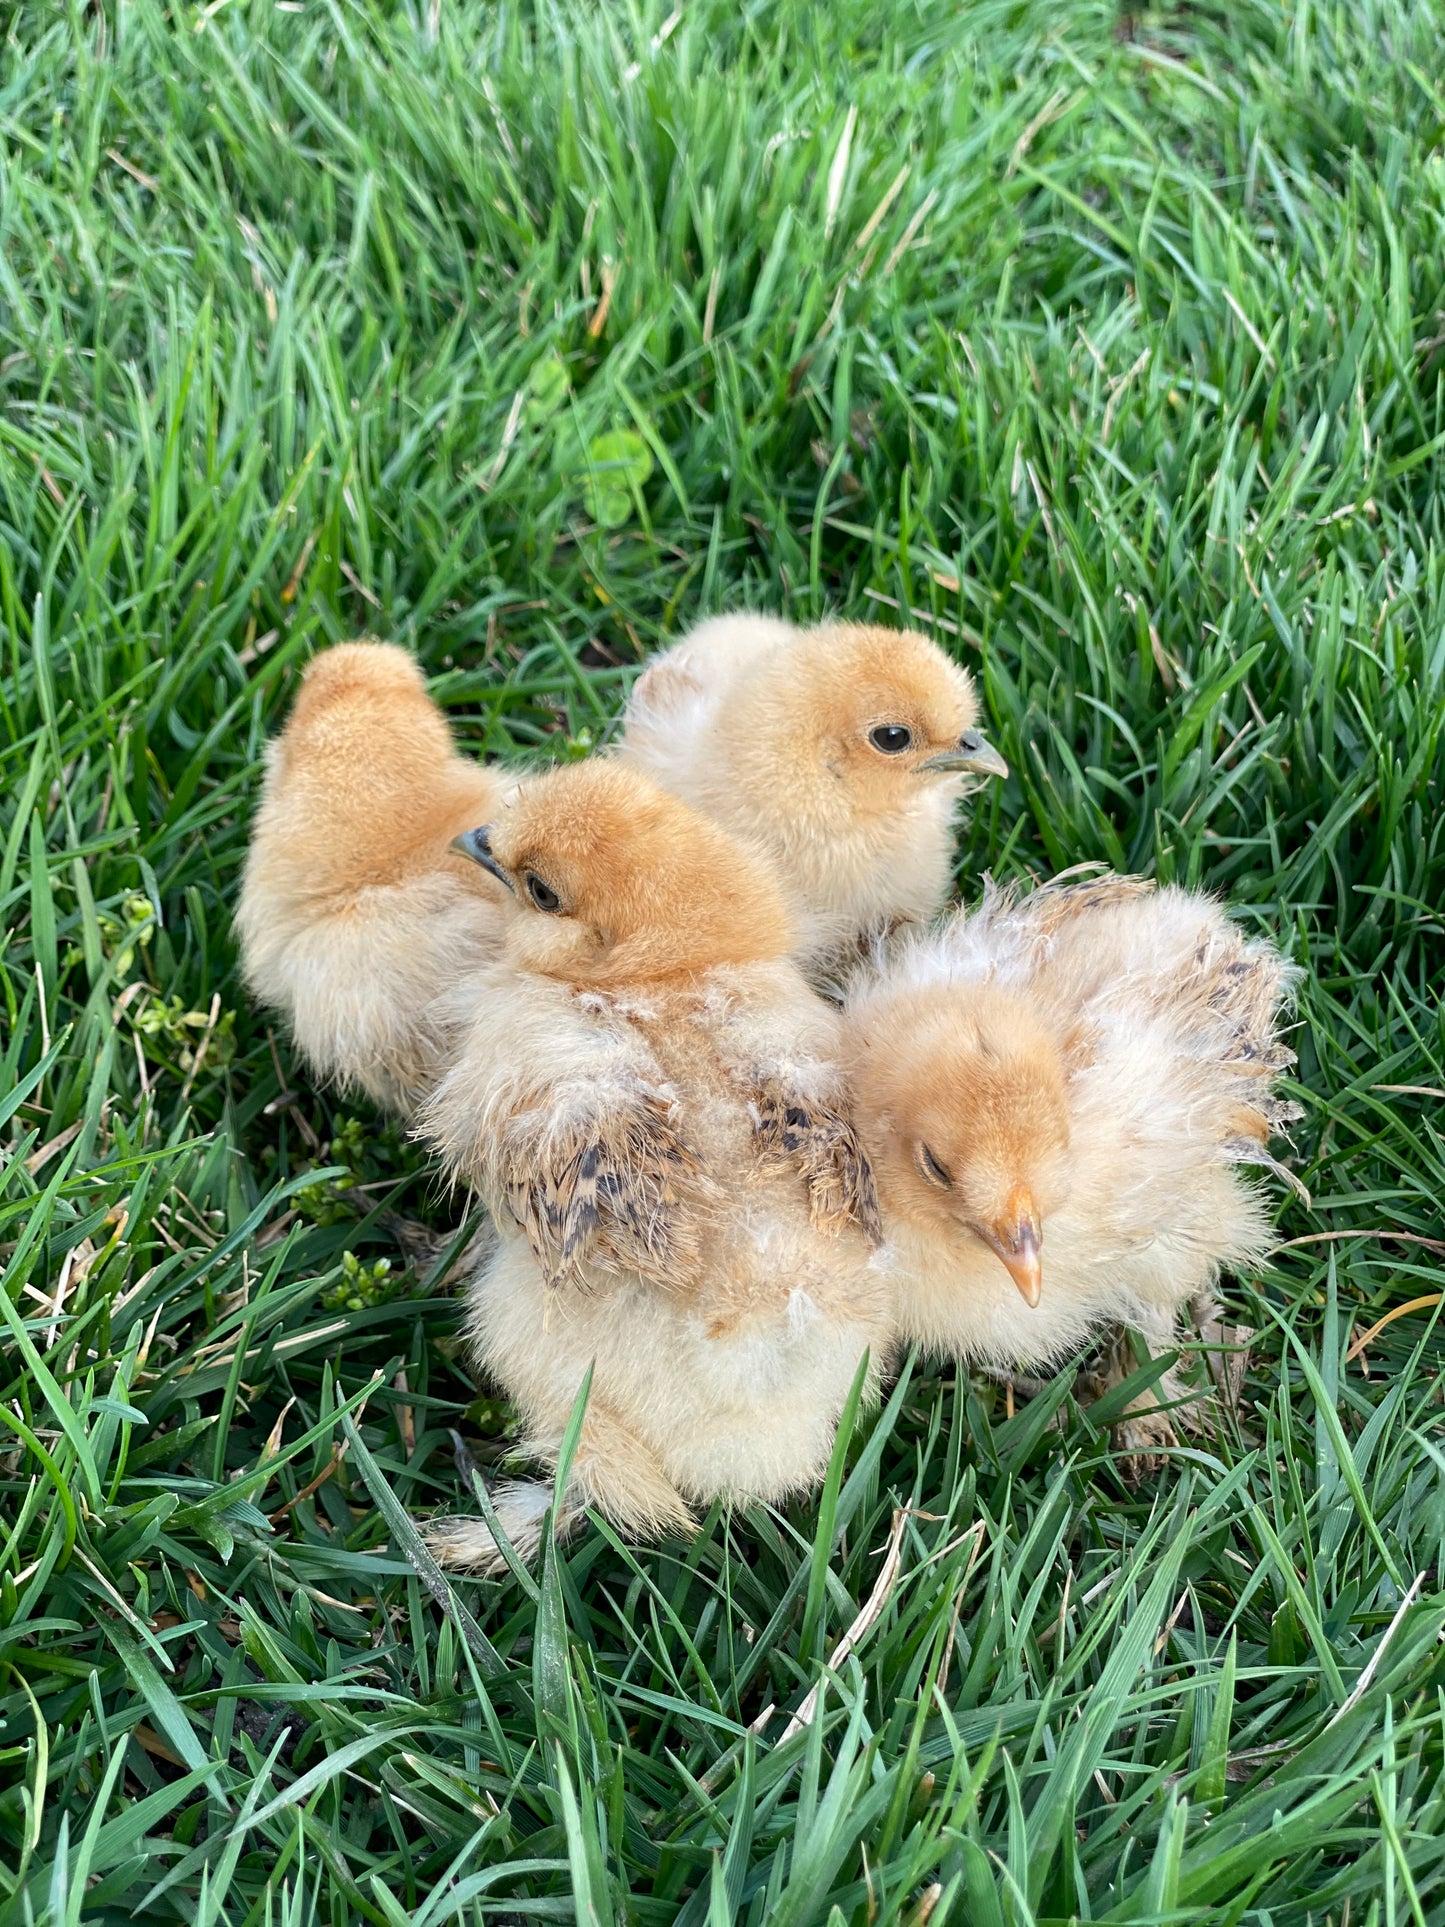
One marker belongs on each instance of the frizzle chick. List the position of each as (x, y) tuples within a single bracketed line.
[(1056, 1094)]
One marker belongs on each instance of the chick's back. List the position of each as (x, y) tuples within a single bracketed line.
[(1165, 970), (354, 912)]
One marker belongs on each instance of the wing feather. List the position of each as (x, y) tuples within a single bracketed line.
[(816, 1138), (608, 1189)]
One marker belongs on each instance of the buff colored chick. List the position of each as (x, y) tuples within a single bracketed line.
[(841, 752), (357, 918), (649, 1101), (1056, 1094)]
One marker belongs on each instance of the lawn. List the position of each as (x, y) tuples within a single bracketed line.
[(1108, 347)]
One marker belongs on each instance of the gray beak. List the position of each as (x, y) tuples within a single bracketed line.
[(975, 754), (477, 844)]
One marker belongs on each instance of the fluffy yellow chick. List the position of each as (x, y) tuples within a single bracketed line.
[(1055, 1094), (356, 916), (649, 1101), (841, 752)]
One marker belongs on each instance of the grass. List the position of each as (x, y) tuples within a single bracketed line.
[(1112, 349)]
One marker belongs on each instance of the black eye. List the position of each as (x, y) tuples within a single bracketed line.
[(891, 738), (542, 894), (931, 1169)]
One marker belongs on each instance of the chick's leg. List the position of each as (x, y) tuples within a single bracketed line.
[(619, 1476), (355, 915), (1155, 1418), (613, 1472)]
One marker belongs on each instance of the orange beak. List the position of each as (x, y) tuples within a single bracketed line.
[(1019, 1248)]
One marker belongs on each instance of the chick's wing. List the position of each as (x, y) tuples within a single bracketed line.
[(609, 1188), (814, 1136)]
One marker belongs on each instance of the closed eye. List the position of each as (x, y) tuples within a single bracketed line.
[(931, 1170), (542, 894)]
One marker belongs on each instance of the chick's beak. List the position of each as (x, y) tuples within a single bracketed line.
[(1019, 1248), (477, 844), (974, 753)]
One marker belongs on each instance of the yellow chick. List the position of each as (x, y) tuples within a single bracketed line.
[(357, 918), (841, 752), (649, 1100), (1055, 1094)]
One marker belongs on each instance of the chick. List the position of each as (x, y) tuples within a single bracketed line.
[(356, 916), (649, 1101), (840, 751), (1055, 1094)]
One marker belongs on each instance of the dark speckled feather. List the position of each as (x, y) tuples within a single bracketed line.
[(601, 1193), (817, 1139)]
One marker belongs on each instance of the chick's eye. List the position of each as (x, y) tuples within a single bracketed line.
[(932, 1170), (542, 894), (891, 738)]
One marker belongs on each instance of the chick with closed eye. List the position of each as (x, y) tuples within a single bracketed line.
[(1057, 1094), (841, 752), (649, 1100), (356, 912)]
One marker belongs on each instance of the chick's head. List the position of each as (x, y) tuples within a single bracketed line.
[(861, 720), (614, 882), (961, 1099)]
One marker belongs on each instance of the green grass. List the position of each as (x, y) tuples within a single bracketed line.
[(1114, 350)]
